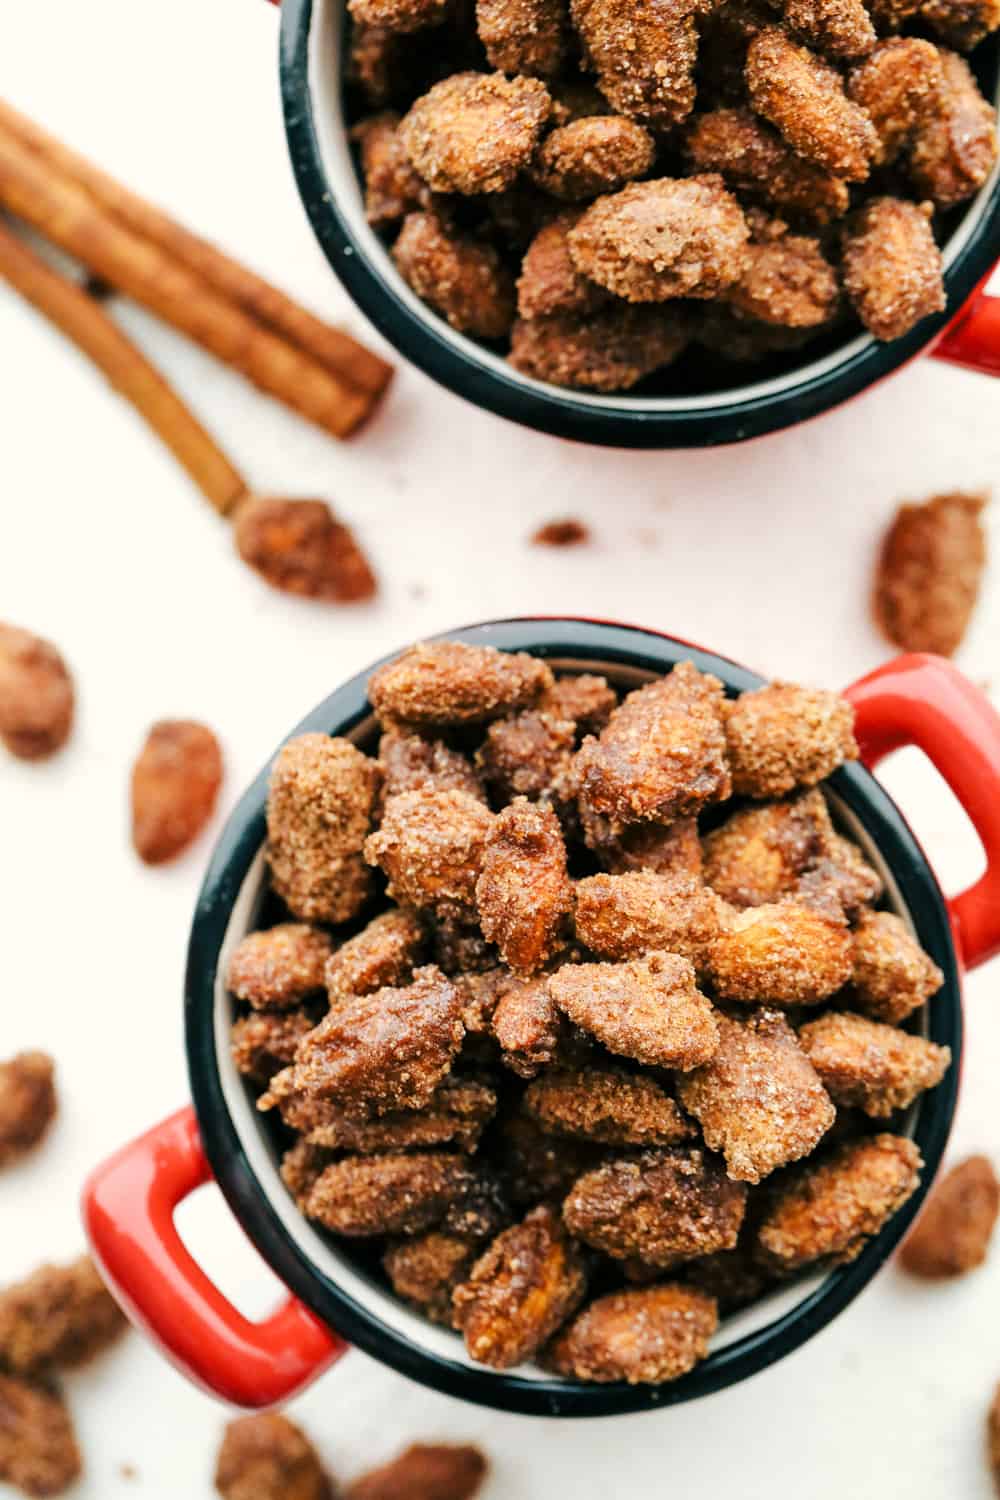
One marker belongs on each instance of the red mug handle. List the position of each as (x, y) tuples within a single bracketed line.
[(925, 701), (128, 1210), (973, 338)]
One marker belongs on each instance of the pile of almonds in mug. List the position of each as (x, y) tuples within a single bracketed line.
[(535, 961), (594, 187)]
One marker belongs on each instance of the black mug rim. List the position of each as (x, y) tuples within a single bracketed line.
[(559, 412), (238, 845)]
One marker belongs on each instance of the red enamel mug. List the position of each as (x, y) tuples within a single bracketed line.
[(336, 1298)]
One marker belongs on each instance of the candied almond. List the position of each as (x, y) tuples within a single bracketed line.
[(375, 1054), (953, 1233), (473, 132), (300, 547), (831, 1208), (319, 810), (431, 845), (929, 573), (361, 1196), (892, 975), (524, 36), (523, 893), (28, 1103), (383, 953), (267, 1457), (962, 24), (954, 148), (398, 15), (610, 348), (645, 1336), (424, 1471), (652, 241), (175, 782), (803, 98), (528, 1282), (38, 1448), (841, 877), (426, 1270), (279, 967), (759, 1100), (623, 916), (787, 281), (649, 1009), (392, 187), (892, 268), (898, 85), (785, 736), (36, 695), (549, 282), (606, 1105), (455, 1115), (529, 755), (59, 1317), (448, 682), (527, 1024), (662, 754), (460, 277), (586, 699), (842, 29), (301, 1165), (760, 853), (264, 1042), (481, 994), (592, 156), (781, 953), (865, 1063), (753, 159), (662, 1207), (644, 56), (413, 762)]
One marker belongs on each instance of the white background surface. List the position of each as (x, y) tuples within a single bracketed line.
[(761, 552)]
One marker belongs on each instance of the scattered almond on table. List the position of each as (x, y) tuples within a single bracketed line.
[(953, 1233), (28, 1103), (36, 695), (268, 1457), (59, 1318), (929, 573), (175, 783)]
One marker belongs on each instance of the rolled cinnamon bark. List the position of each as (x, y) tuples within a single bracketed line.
[(66, 215), (332, 347), (127, 370)]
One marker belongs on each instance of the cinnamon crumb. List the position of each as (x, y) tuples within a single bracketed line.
[(566, 533)]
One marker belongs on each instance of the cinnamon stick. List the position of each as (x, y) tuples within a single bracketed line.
[(127, 370), (330, 346), (67, 216)]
